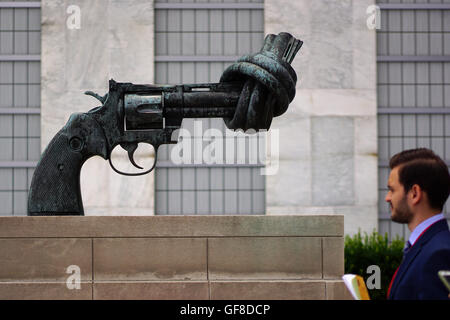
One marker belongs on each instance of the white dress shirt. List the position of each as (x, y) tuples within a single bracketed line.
[(423, 226)]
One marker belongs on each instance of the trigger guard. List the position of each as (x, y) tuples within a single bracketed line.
[(135, 174)]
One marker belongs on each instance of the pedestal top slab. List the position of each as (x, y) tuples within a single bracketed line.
[(172, 226)]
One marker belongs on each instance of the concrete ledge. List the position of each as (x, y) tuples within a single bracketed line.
[(336, 290), (182, 257), (177, 290), (264, 290), (43, 291), (151, 291), (172, 226)]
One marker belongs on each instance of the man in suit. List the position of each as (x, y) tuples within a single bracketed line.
[(419, 185)]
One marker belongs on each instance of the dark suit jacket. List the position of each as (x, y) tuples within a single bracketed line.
[(417, 276)]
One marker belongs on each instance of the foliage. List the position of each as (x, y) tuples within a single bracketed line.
[(375, 249)]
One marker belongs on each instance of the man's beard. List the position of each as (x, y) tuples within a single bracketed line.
[(402, 213)]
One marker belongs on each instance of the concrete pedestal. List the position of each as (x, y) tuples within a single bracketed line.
[(172, 257)]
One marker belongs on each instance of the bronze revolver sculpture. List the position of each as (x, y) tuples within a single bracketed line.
[(250, 93)]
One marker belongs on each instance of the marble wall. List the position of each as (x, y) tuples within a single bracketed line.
[(328, 136), (84, 44)]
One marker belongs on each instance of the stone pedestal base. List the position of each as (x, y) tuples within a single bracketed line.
[(172, 257)]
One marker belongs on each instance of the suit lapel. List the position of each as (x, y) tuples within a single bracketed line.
[(409, 257), (404, 265)]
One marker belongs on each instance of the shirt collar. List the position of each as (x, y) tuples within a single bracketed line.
[(423, 226)]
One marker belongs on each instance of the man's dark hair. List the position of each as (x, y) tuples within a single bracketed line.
[(426, 169)]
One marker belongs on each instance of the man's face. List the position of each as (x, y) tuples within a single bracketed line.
[(396, 197)]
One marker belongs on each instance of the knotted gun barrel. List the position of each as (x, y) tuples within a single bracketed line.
[(250, 93), (270, 84)]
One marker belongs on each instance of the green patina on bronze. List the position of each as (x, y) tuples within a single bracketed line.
[(251, 92)]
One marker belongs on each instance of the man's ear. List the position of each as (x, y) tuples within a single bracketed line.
[(416, 194)]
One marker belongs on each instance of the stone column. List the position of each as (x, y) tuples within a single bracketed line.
[(84, 44), (328, 136)]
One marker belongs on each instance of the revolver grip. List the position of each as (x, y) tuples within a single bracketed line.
[(55, 186)]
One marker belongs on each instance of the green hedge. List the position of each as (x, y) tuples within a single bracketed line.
[(363, 251)]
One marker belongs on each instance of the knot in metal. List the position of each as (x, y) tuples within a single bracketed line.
[(269, 84)]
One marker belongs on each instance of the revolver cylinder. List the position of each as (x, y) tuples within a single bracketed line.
[(149, 110)]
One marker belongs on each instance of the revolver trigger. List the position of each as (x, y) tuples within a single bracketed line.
[(131, 148)]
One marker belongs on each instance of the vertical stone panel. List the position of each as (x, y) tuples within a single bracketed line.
[(265, 258), (115, 39), (333, 257), (44, 260), (149, 259), (336, 93), (332, 161)]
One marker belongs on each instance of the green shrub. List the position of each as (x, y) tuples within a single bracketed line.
[(363, 251)]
